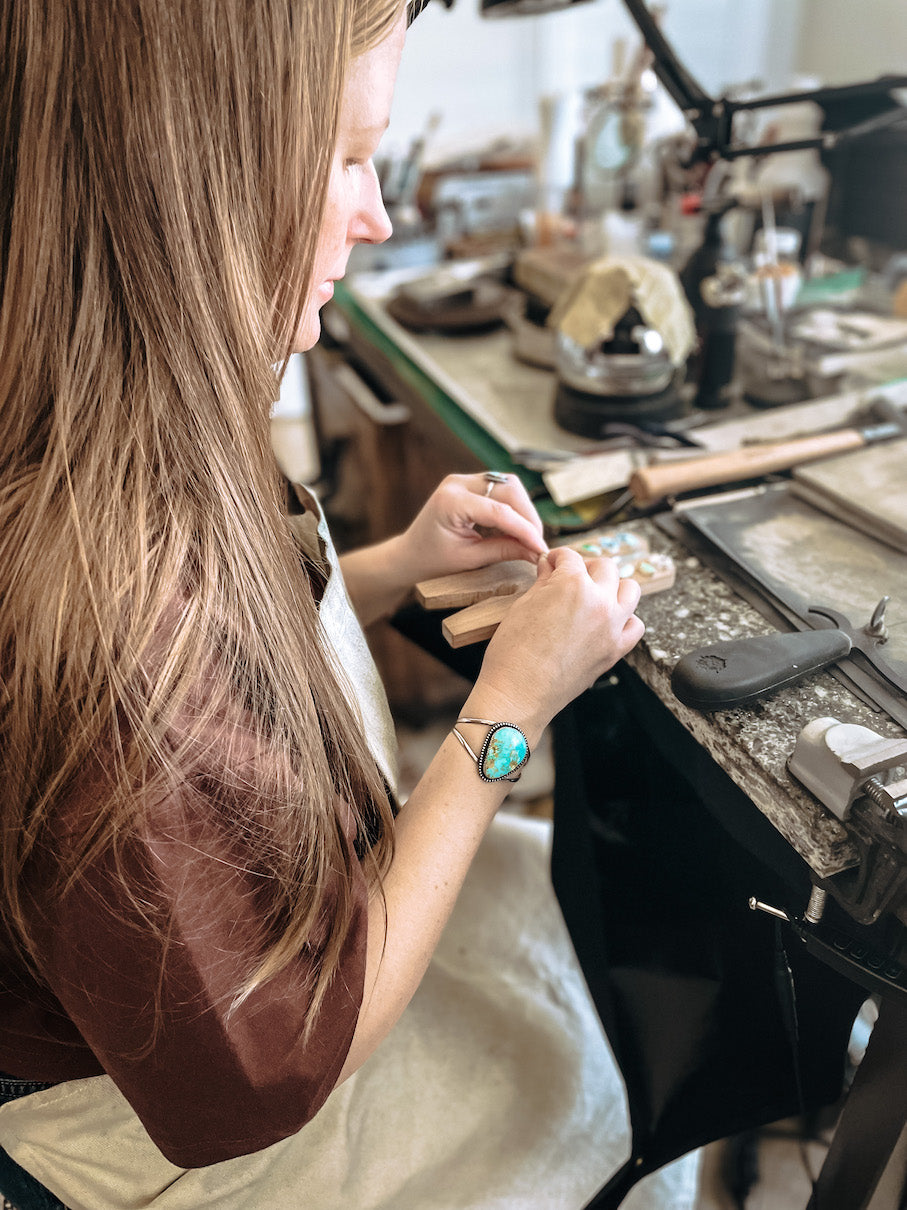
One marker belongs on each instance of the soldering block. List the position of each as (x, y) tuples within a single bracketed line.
[(834, 760)]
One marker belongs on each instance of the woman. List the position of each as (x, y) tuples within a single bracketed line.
[(209, 908)]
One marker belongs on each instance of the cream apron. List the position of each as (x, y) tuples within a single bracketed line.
[(495, 1091)]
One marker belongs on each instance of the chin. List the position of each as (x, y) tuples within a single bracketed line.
[(308, 333)]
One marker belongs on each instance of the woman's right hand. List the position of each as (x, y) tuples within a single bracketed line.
[(568, 629), (574, 624)]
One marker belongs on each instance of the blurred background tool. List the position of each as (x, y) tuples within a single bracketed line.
[(623, 333), (715, 284)]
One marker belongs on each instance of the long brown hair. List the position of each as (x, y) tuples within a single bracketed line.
[(163, 170)]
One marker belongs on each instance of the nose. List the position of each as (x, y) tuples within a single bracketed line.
[(370, 223)]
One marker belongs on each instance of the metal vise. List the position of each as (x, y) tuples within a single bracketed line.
[(851, 770)]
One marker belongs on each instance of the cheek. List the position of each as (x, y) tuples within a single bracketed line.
[(332, 238), (330, 258)]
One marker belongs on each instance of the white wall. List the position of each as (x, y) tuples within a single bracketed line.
[(849, 40), (485, 76), (728, 42)]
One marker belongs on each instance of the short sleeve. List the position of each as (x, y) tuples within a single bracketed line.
[(210, 1079)]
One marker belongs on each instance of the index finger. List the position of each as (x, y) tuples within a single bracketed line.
[(522, 503), (513, 492), (501, 518)]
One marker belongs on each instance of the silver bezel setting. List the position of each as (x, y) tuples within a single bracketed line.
[(484, 749)]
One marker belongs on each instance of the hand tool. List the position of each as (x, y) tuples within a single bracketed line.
[(653, 483), (857, 774), (840, 762), (736, 672)]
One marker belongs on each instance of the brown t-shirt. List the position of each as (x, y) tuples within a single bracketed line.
[(209, 1080)]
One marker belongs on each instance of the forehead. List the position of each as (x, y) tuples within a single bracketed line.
[(369, 89)]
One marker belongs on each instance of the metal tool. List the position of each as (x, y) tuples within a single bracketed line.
[(859, 776), (840, 762), (873, 968), (736, 672), (854, 772), (615, 435), (867, 641)]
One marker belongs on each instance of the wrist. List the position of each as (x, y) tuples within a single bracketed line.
[(486, 702), (399, 565)]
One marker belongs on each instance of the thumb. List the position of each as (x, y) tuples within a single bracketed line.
[(545, 569), (565, 557)]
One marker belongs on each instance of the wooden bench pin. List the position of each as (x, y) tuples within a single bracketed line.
[(485, 595)]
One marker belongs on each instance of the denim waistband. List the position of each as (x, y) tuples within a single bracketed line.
[(11, 1087), (19, 1186)]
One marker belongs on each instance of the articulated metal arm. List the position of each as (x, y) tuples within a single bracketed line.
[(713, 118)]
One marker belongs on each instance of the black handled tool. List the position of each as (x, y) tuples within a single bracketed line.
[(738, 671)]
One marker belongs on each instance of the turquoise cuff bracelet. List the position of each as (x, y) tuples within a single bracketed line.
[(504, 750)]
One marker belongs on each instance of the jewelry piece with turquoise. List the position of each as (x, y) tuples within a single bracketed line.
[(504, 750)]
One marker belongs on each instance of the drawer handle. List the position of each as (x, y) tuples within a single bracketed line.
[(384, 414)]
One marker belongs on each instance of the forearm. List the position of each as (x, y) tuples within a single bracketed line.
[(378, 578), (574, 623), (438, 833)]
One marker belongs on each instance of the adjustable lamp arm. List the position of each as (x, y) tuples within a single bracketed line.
[(680, 85), (713, 118)]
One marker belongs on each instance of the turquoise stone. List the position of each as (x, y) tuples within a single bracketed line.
[(504, 751)]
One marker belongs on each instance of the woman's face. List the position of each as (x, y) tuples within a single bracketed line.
[(354, 213)]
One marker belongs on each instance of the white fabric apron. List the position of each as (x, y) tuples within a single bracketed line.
[(354, 663), (495, 1091)]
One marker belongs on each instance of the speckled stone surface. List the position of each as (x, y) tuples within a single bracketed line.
[(752, 744)]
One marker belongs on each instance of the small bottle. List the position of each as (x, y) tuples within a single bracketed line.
[(710, 365), (722, 296)]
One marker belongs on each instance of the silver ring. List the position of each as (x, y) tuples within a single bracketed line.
[(493, 477)]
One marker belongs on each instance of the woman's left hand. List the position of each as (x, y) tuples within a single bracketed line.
[(464, 525)]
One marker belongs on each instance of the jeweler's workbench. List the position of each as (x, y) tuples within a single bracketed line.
[(682, 843), (495, 406), (751, 743)]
